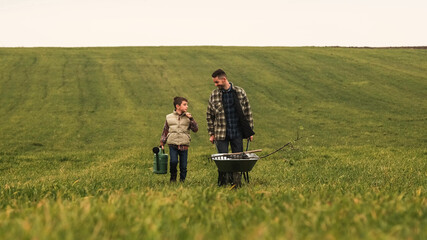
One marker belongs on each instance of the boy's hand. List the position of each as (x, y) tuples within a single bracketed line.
[(188, 115)]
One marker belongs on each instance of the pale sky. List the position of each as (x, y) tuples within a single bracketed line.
[(85, 23)]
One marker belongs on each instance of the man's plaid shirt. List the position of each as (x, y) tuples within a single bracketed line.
[(215, 114), (231, 116)]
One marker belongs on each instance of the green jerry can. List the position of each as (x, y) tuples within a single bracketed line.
[(160, 161)]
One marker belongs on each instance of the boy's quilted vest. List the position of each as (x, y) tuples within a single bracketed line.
[(179, 129)]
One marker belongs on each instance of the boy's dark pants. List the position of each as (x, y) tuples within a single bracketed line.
[(236, 146), (183, 154)]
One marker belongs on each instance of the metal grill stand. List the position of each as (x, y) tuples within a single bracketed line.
[(232, 166)]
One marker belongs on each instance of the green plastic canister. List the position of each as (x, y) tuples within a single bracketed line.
[(160, 161)]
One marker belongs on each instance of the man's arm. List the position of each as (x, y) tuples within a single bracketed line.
[(210, 118), (247, 109)]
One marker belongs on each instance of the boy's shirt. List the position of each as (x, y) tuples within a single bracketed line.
[(193, 127)]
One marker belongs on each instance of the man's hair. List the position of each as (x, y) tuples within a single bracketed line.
[(178, 101), (219, 73)]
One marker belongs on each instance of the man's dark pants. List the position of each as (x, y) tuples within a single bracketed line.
[(222, 146), (236, 145)]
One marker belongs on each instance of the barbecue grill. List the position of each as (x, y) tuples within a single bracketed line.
[(228, 162)]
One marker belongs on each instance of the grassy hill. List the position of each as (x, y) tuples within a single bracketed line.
[(77, 126)]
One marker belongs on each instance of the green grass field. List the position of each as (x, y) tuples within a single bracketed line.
[(77, 126)]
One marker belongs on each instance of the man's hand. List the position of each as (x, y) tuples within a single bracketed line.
[(161, 145), (251, 138), (188, 115), (212, 139)]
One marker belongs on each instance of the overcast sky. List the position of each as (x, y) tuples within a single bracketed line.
[(73, 23)]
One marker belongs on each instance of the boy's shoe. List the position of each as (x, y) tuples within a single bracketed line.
[(182, 180), (173, 177)]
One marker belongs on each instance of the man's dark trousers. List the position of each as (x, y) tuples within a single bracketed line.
[(236, 146)]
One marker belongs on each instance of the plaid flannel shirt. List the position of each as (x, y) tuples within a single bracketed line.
[(215, 114), (231, 116)]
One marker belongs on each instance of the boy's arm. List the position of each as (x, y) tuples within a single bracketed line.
[(193, 125), (165, 133)]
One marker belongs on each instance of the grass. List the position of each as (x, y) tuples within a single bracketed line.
[(77, 127)]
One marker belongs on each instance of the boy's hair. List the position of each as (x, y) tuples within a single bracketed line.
[(219, 73), (178, 101)]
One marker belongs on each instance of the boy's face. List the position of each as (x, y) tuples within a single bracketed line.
[(183, 107)]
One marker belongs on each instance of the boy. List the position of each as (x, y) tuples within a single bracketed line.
[(176, 133)]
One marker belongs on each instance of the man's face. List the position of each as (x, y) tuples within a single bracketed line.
[(219, 82), (183, 107)]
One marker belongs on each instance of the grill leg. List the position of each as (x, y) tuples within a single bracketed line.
[(246, 176), (237, 179), (221, 178)]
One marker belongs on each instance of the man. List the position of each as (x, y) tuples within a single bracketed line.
[(229, 117)]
